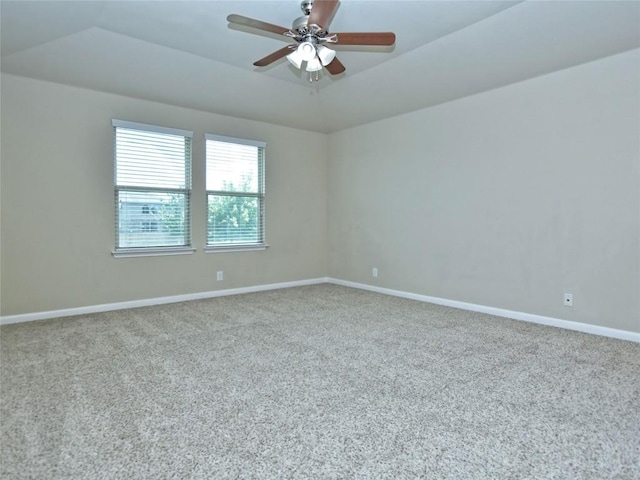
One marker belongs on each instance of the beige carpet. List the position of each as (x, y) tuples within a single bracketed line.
[(315, 382)]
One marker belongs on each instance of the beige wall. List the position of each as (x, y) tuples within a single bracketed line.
[(506, 199), (57, 203)]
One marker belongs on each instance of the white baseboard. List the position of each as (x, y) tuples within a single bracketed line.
[(107, 307), (499, 312)]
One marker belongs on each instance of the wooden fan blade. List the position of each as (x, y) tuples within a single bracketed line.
[(277, 55), (335, 67), (258, 24), (366, 38), (321, 13)]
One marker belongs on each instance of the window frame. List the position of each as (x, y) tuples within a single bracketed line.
[(260, 195), (161, 250)]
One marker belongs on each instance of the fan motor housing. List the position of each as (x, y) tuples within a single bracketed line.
[(300, 24)]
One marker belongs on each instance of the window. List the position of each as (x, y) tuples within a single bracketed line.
[(152, 189), (235, 193)]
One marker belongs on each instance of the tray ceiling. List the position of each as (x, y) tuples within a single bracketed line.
[(185, 53)]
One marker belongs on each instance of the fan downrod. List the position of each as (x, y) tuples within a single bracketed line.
[(300, 24), (305, 6)]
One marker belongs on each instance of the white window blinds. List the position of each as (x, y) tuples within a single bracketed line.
[(235, 191), (152, 186)]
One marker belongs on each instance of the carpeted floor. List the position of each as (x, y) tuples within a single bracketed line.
[(315, 382)]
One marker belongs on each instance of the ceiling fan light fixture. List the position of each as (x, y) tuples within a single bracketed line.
[(308, 37), (307, 51), (314, 65), (326, 55), (295, 58)]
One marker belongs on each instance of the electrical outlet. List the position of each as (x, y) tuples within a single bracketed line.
[(220, 275), (374, 272), (568, 300)]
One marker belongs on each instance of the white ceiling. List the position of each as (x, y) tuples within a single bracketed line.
[(185, 53)]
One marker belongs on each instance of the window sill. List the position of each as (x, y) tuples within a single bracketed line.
[(152, 252), (235, 248)]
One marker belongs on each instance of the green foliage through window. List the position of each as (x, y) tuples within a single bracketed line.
[(235, 192)]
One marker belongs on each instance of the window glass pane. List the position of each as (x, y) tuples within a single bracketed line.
[(233, 219), (152, 186), (235, 191), (232, 167), (149, 159), (152, 219)]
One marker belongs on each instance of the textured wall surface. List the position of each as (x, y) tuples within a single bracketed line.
[(58, 214), (506, 199)]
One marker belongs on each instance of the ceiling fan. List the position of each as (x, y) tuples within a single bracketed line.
[(310, 34)]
